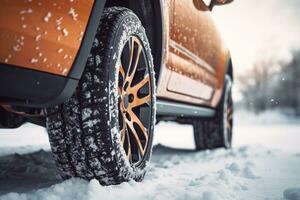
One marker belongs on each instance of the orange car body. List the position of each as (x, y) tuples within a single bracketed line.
[(42, 35), (50, 36), (196, 58)]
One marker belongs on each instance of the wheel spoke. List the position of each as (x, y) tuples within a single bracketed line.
[(131, 52), (124, 136), (135, 119), (136, 137), (135, 89), (139, 85), (123, 131), (141, 101), (129, 154), (122, 72), (133, 65)]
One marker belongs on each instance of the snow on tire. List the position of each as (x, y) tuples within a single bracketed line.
[(86, 133)]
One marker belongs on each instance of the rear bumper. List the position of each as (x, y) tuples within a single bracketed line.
[(30, 88)]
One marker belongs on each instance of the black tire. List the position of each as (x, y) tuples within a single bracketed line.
[(85, 132), (215, 132)]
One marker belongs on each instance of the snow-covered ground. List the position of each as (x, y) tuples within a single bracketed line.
[(264, 164)]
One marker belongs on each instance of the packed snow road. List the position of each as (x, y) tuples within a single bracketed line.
[(264, 164)]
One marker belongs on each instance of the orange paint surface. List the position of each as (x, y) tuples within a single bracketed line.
[(42, 35)]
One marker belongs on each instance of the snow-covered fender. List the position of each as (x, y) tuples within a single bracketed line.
[(44, 48)]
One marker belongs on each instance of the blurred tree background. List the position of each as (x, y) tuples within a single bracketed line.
[(271, 85)]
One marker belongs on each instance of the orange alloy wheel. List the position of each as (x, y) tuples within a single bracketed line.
[(135, 96)]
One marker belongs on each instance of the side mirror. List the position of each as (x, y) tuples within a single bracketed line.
[(218, 3), (201, 5)]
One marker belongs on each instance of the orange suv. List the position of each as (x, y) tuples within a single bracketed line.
[(100, 74)]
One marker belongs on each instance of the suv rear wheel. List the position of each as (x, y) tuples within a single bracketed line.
[(214, 132), (105, 130)]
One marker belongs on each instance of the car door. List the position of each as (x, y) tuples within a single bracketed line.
[(195, 52)]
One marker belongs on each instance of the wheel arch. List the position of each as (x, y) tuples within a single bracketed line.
[(150, 12), (42, 89), (228, 70)]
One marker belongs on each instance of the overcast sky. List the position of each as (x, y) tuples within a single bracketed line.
[(259, 29)]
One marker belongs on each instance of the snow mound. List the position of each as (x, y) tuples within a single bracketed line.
[(21, 173), (26, 139), (244, 172), (68, 190), (249, 173), (292, 194), (173, 174), (23, 149)]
